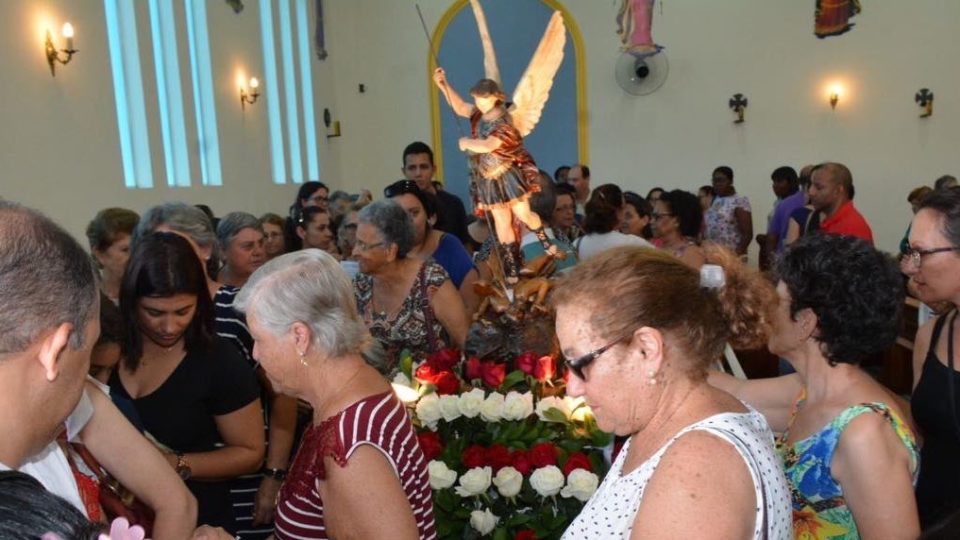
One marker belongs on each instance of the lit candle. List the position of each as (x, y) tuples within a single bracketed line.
[(254, 83), (68, 34)]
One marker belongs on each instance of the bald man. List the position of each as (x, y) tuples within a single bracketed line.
[(831, 193)]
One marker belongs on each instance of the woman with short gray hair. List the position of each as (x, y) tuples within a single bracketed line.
[(310, 341), (240, 237), (407, 304)]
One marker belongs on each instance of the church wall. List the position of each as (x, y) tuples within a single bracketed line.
[(59, 147)]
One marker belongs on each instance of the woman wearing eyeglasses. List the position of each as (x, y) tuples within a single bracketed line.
[(932, 262), (848, 454), (639, 329), (407, 303), (677, 220)]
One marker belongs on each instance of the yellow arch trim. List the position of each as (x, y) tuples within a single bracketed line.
[(580, 74)]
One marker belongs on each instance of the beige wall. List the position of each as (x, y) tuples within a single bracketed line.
[(58, 143)]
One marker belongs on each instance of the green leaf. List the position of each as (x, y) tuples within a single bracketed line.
[(511, 379), (500, 533), (554, 414), (406, 364)]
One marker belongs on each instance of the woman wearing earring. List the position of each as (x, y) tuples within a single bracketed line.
[(850, 458), (359, 471), (639, 328), (193, 392)]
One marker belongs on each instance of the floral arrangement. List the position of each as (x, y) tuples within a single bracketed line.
[(509, 456)]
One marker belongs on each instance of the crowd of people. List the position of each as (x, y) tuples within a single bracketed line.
[(238, 365)]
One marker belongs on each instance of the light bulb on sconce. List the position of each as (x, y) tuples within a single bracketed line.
[(249, 96), (835, 92), (54, 55)]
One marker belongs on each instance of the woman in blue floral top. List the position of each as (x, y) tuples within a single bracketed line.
[(849, 457)]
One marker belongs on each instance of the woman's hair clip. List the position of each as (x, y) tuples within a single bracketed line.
[(712, 276)]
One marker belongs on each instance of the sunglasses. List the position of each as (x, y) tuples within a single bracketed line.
[(578, 364), (401, 187)]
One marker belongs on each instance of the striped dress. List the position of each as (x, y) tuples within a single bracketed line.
[(379, 421)]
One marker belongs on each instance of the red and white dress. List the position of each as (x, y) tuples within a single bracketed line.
[(380, 421)]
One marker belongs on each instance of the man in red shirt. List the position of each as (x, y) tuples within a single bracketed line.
[(831, 193)]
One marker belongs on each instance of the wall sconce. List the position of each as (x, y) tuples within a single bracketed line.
[(53, 55), (924, 99), (327, 122), (251, 96), (738, 104), (835, 92)]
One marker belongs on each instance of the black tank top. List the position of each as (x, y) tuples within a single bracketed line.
[(938, 487)]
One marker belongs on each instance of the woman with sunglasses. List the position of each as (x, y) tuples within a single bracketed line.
[(677, 220), (848, 454), (932, 262), (639, 329)]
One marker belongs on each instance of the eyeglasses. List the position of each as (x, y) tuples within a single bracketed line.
[(363, 246), (401, 187), (914, 256), (318, 198), (578, 364)]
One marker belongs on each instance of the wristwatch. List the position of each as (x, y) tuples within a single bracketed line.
[(276, 474), (183, 469)]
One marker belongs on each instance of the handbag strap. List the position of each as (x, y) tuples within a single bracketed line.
[(428, 316)]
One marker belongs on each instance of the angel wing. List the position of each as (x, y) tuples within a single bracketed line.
[(534, 86), (490, 68)]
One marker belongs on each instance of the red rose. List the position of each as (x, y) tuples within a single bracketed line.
[(525, 534), (473, 368), (426, 374), (545, 369), (521, 461), (444, 359), (430, 444), (498, 457), (543, 454), (526, 362), (474, 456), (577, 460), (447, 383), (493, 374)]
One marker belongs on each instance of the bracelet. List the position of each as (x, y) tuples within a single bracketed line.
[(276, 474)]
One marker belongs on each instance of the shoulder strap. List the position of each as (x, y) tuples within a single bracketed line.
[(899, 426), (937, 329), (428, 317)]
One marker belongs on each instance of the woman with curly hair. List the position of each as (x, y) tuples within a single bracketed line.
[(849, 456)]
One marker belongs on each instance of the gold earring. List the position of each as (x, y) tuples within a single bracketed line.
[(303, 360)]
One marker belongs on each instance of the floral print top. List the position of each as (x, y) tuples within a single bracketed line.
[(721, 221), (410, 328), (820, 511)]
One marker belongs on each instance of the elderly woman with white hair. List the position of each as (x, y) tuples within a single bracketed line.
[(359, 457), (240, 237)]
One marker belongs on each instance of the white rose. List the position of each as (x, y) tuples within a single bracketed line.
[(580, 484), (449, 408), (552, 402), (508, 481), (484, 522), (470, 403), (474, 482), (428, 411), (492, 408), (441, 476), (547, 481), (401, 379), (517, 406)]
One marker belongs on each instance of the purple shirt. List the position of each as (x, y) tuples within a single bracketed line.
[(780, 221)]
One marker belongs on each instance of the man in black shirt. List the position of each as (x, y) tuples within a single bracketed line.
[(418, 166)]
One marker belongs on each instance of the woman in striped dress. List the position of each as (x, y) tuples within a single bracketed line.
[(360, 456)]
